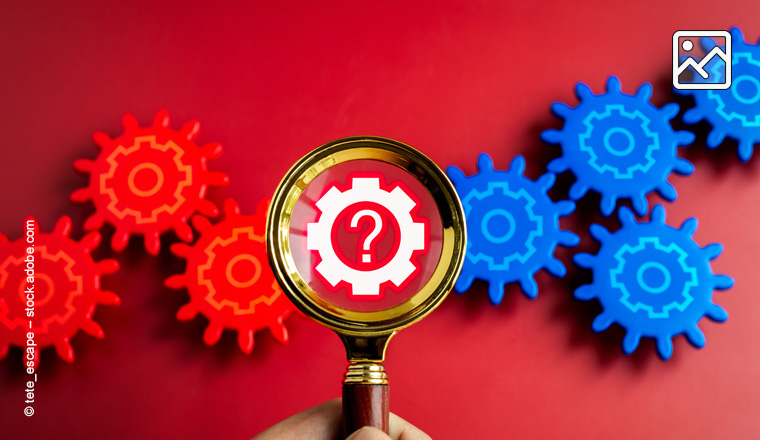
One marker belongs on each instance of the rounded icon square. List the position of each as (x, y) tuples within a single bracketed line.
[(687, 40)]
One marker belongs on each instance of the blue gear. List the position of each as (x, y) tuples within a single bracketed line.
[(653, 280), (619, 145), (512, 227), (735, 112)]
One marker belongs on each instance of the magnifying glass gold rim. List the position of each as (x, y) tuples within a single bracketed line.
[(435, 181)]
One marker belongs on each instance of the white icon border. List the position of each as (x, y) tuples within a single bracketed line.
[(701, 86)]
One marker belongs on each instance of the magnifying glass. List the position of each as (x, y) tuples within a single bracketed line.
[(366, 235)]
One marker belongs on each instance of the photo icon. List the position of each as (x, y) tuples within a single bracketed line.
[(710, 72)]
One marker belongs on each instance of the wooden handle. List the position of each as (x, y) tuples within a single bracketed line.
[(364, 405)]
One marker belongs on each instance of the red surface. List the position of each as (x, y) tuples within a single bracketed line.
[(272, 80)]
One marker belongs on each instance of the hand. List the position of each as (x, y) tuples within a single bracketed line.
[(323, 422)]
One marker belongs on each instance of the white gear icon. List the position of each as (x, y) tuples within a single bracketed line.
[(398, 202)]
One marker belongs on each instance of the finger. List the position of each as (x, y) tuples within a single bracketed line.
[(368, 433), (400, 429), (322, 422)]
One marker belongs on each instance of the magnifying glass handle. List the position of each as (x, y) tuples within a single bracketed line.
[(365, 397)]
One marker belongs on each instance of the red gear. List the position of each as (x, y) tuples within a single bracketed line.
[(229, 278), (149, 180), (66, 289)]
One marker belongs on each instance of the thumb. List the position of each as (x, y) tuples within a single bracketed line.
[(368, 433)]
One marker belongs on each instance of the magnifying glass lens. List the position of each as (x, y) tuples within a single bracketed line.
[(366, 235)]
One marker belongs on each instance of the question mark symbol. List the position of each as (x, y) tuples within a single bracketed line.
[(367, 257)]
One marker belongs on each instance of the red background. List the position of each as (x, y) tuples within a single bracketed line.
[(271, 81)]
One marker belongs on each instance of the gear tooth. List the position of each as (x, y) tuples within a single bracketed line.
[(119, 240), (631, 341), (684, 138), (584, 260), (658, 214), (190, 129), (626, 216), (212, 334), (330, 198), (640, 204), (187, 312), (670, 110), (202, 224), (212, 151), (551, 136), (328, 275), (568, 239), (81, 195), (107, 298), (217, 179), (736, 34), (583, 92), (644, 92), (723, 282), (518, 165), (175, 282), (400, 200), (181, 250), (713, 250), (707, 43), (667, 191), (608, 203), (578, 190), (715, 138), (464, 282), (129, 123), (556, 268), (456, 175), (64, 350), (689, 226), (279, 331), (245, 340), (94, 222), (62, 226), (365, 183), (683, 167), (664, 347), (558, 165), (546, 181), (485, 164), (161, 119), (599, 233), (91, 241), (695, 337), (613, 84), (153, 242), (693, 115), (183, 232), (496, 292), (93, 329), (84, 165), (561, 110), (565, 207), (107, 267), (585, 292), (745, 149), (602, 322), (405, 269), (102, 140), (529, 286), (716, 313)]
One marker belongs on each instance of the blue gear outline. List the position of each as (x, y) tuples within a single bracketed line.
[(640, 178), (723, 109), (668, 311), (491, 191)]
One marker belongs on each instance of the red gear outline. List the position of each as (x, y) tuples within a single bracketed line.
[(149, 180), (71, 280), (255, 303)]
